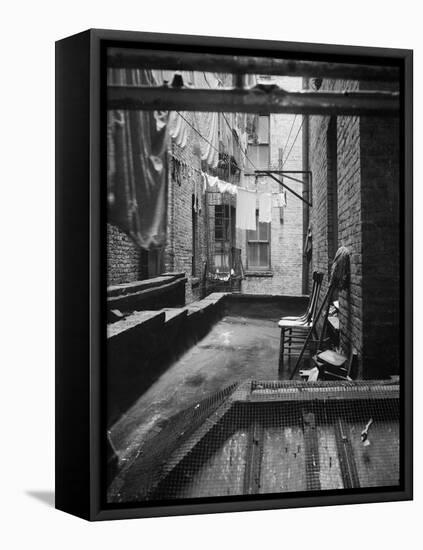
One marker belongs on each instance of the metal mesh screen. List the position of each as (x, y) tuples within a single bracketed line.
[(159, 454), (276, 437)]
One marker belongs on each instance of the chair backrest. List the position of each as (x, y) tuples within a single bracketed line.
[(318, 278), (312, 293)]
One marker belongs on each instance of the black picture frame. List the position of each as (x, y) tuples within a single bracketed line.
[(80, 256)]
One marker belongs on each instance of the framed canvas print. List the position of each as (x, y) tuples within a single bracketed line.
[(234, 274)]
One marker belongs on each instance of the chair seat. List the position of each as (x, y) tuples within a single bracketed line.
[(332, 358), (285, 323), (293, 318)]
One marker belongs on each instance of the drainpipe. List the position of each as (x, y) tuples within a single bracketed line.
[(306, 191)]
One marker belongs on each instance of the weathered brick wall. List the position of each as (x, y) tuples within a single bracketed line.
[(381, 242), (349, 232), (368, 185), (349, 213), (286, 246), (179, 247), (123, 257)]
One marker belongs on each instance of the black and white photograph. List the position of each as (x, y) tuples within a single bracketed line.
[(254, 243), (211, 275)]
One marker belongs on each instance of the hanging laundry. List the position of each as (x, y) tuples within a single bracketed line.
[(207, 124), (265, 207), (199, 181), (308, 245), (137, 150), (212, 180), (178, 128), (161, 118), (194, 206), (204, 178), (198, 186), (225, 187), (281, 197), (221, 186), (176, 170), (246, 209)]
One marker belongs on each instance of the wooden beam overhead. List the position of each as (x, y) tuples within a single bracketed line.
[(187, 61), (253, 100)]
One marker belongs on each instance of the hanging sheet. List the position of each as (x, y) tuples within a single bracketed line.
[(246, 209), (207, 124), (137, 166)]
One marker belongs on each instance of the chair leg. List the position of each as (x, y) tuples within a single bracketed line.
[(290, 336)]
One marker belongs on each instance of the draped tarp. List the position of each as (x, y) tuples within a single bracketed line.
[(137, 166), (206, 124)]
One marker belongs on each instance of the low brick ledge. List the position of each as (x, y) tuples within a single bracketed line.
[(163, 316), (137, 287), (239, 296), (134, 320)]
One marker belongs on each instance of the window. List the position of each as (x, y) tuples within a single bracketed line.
[(224, 236), (259, 156), (263, 129), (258, 151), (221, 222), (258, 247)]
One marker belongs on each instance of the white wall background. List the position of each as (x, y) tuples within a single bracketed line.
[(27, 36)]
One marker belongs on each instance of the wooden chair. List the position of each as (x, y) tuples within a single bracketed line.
[(335, 366), (294, 330), (317, 280)]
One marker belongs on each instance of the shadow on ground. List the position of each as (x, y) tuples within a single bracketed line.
[(46, 497)]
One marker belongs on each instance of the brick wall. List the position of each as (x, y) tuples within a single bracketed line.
[(368, 184), (123, 257), (348, 181), (381, 241), (179, 249)]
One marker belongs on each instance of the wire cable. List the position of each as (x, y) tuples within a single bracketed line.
[(289, 135), (232, 129), (293, 143), (199, 133), (238, 143)]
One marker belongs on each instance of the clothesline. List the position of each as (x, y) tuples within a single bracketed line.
[(215, 181), (246, 199)]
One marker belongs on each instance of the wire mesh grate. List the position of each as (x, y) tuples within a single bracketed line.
[(159, 454), (274, 437)]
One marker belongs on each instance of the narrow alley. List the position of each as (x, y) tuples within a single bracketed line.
[(253, 276)]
